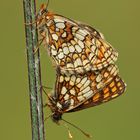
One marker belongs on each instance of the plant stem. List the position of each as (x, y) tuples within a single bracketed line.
[(34, 72)]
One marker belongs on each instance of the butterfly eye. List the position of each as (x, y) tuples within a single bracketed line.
[(43, 9), (56, 117)]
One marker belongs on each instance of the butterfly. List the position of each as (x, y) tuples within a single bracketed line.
[(77, 92), (74, 47), (86, 73)]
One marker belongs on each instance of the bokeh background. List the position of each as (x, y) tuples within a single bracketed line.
[(119, 119)]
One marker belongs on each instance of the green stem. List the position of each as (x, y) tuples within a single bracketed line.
[(34, 72)]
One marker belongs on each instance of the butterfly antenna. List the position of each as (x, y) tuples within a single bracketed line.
[(42, 87), (69, 133), (47, 4), (46, 87), (86, 134), (48, 117)]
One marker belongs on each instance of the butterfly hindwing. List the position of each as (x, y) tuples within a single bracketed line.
[(112, 90)]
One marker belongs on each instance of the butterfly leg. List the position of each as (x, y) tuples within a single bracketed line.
[(41, 41), (48, 95), (46, 87), (46, 105), (33, 22), (43, 89), (69, 132), (38, 44)]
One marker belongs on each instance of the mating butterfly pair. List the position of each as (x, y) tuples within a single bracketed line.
[(86, 73)]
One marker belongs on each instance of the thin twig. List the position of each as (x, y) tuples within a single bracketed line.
[(34, 72)]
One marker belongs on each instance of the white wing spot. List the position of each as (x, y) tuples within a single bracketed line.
[(73, 78), (84, 80), (86, 90), (78, 61), (49, 23), (85, 62), (78, 48), (85, 85), (72, 102), (100, 85), (75, 64), (83, 32), (113, 70), (79, 36), (93, 41), (100, 66), (64, 34), (60, 25), (78, 80), (61, 79), (59, 105), (64, 90), (109, 52), (91, 56), (66, 97), (55, 37), (72, 91), (93, 48), (58, 20), (79, 85), (71, 83), (66, 50), (53, 47), (109, 60), (71, 49), (60, 55), (67, 78), (106, 55), (88, 94), (81, 44), (80, 98), (57, 29), (99, 78), (64, 45), (54, 52), (69, 65)]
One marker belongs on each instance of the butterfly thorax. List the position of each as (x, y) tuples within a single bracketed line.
[(57, 116), (56, 111), (44, 19)]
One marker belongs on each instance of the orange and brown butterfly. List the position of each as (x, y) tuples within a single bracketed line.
[(77, 92), (74, 47)]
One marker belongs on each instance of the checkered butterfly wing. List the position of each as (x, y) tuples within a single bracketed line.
[(74, 46), (74, 90), (113, 89)]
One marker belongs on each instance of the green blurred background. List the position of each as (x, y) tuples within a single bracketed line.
[(119, 119)]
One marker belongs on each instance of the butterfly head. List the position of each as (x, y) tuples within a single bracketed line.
[(41, 14), (43, 9), (56, 117), (56, 113), (44, 19)]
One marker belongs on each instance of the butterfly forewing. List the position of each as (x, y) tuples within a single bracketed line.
[(73, 46)]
